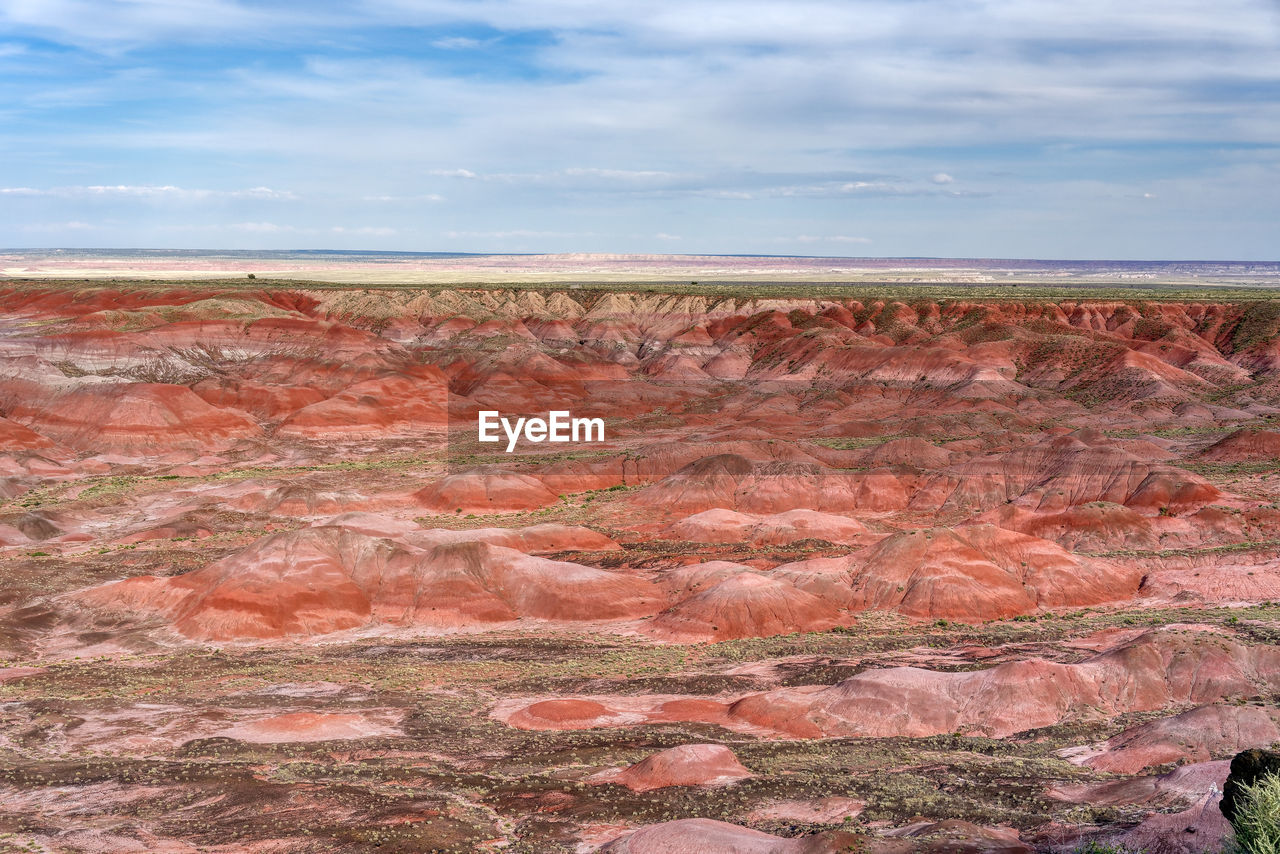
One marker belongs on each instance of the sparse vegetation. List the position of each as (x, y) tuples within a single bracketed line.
[(126, 723), (1257, 819)]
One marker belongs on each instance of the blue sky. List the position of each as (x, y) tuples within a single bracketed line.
[(968, 128)]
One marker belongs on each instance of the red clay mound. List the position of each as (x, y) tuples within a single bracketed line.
[(713, 526), (1156, 670), (483, 492), (144, 418), (658, 460), (949, 837), (1245, 446), (783, 528), (563, 714), (298, 500), (829, 810), (1160, 790), (190, 526), (540, 588), (1068, 470), (373, 524), (730, 481), (546, 538), (686, 765), (914, 452), (745, 605), (321, 580), (704, 836), (15, 437), (1197, 829), (727, 526), (707, 483), (1097, 526), (980, 572), (267, 402), (1230, 583), (1199, 735), (377, 407), (308, 726), (683, 581)]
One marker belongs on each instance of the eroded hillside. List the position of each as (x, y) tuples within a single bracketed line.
[(265, 590)]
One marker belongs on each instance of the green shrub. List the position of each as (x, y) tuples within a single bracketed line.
[(1257, 820), (1105, 848)]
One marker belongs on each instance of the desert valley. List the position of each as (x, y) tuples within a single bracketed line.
[(878, 567)]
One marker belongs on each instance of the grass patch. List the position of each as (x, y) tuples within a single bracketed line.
[(1257, 819)]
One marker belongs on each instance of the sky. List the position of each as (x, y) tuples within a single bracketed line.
[(1144, 129)]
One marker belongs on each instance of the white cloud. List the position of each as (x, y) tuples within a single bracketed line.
[(647, 114), (866, 186), (619, 174), (515, 233), (826, 238), (55, 227), (421, 197), (369, 230), (147, 191), (461, 43), (261, 227)]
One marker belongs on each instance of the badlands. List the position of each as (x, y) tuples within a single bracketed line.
[(886, 569)]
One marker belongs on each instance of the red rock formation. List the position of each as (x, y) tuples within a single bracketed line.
[(377, 407), (483, 492), (1158, 669), (15, 437), (982, 572), (1245, 446), (732, 482), (703, 836), (307, 726), (686, 765), (321, 580), (1199, 735), (1073, 470), (727, 526), (743, 605), (969, 573), (139, 418)]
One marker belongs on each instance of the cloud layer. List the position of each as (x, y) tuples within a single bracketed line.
[(935, 127)]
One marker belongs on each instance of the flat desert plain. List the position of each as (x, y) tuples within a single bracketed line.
[(854, 568)]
